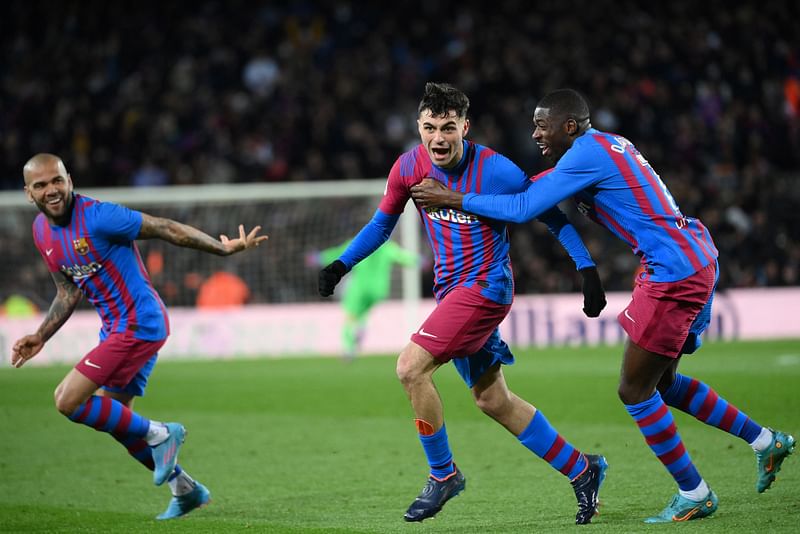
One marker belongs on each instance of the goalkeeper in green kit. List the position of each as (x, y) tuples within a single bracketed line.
[(369, 283)]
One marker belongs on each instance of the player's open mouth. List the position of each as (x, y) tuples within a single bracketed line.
[(53, 202), (440, 152), (544, 148)]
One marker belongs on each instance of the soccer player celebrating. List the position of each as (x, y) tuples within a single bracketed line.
[(89, 248), (616, 187), (474, 288)]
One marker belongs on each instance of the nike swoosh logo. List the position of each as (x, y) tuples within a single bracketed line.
[(48, 251), (628, 315), (422, 332), (91, 364)]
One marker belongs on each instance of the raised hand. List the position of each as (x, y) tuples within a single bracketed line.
[(243, 242)]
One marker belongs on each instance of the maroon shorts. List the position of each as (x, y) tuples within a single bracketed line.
[(660, 314), (117, 359), (460, 324)]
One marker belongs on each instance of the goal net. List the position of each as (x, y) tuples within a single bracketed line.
[(300, 218)]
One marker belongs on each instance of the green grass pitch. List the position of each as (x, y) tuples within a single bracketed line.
[(317, 445)]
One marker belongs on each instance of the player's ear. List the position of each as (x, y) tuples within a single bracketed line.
[(466, 128), (571, 126), (28, 194)]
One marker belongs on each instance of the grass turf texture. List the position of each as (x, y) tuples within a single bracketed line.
[(316, 445)]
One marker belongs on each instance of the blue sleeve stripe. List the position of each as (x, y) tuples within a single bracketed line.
[(374, 234)]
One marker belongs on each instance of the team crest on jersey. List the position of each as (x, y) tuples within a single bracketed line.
[(81, 246)]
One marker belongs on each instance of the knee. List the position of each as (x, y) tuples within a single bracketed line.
[(630, 393), (64, 404), (406, 371), (624, 394), (492, 404)]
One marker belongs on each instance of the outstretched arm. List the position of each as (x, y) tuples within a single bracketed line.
[(547, 190), (67, 297), (184, 235)]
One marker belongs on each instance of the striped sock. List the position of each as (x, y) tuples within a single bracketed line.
[(698, 399), (543, 440), (141, 451), (658, 427), (437, 449), (138, 448), (105, 414)]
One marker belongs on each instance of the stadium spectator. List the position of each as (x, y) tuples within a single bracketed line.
[(615, 186), (167, 82), (89, 249), (223, 290), (474, 289)]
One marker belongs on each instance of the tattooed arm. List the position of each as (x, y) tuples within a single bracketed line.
[(184, 235), (67, 297)]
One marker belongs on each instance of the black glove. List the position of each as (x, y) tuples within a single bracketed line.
[(330, 276), (594, 297)]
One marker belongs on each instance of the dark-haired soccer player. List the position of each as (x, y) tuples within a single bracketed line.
[(474, 289), (89, 248), (616, 187)]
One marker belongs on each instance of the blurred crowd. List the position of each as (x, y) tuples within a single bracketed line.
[(239, 91)]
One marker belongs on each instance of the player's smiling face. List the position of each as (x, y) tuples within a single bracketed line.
[(551, 134), (49, 186), (443, 137)]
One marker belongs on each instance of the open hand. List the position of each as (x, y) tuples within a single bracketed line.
[(26, 348), (430, 193), (243, 242)]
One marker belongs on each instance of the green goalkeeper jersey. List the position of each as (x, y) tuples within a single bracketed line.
[(372, 275)]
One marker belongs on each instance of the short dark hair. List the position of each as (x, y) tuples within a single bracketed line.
[(566, 104), (441, 98)]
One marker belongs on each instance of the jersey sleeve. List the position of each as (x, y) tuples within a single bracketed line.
[(374, 234), (568, 236), (116, 222), (378, 230), (397, 191), (505, 177), (577, 170)]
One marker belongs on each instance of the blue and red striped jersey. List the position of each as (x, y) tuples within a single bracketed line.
[(467, 249), (615, 186), (96, 250)]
